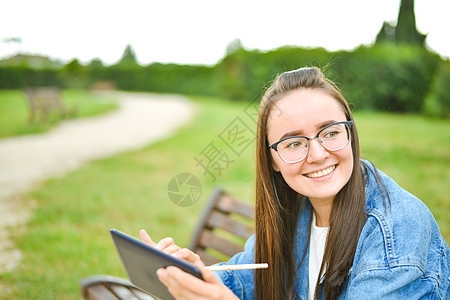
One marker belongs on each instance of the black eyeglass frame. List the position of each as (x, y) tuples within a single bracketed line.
[(275, 145)]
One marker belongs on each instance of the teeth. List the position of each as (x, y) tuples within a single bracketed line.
[(321, 173)]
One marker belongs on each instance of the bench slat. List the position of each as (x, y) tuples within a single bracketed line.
[(100, 292), (207, 258), (209, 239), (141, 295), (227, 204), (222, 221), (123, 292)]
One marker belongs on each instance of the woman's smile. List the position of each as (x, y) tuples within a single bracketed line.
[(322, 173)]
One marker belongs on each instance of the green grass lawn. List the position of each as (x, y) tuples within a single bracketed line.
[(415, 151), (14, 110), (67, 237)]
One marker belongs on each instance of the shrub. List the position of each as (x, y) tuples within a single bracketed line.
[(437, 103), (21, 77), (386, 77)]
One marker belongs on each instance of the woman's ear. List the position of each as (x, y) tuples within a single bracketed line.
[(274, 165)]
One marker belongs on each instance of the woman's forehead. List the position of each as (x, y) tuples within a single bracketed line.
[(304, 110), (305, 104)]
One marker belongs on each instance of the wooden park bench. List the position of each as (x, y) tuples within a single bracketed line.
[(43, 101), (224, 226)]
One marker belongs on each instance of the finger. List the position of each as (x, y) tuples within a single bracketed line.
[(185, 286), (187, 254), (172, 284), (171, 249), (164, 243), (208, 276), (181, 284), (162, 276), (183, 280), (146, 238)]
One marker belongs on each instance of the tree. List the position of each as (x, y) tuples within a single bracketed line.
[(73, 67), (96, 63), (128, 57), (73, 74), (233, 46), (12, 40), (387, 33), (405, 31)]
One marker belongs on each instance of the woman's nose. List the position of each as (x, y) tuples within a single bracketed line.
[(316, 151)]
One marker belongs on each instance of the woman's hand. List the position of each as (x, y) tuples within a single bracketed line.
[(168, 246), (186, 286), (181, 284)]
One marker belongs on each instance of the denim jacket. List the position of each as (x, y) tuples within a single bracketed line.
[(401, 253)]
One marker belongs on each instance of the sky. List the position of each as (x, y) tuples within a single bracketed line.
[(198, 31)]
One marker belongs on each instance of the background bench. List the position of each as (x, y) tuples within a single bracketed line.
[(43, 101), (224, 226)]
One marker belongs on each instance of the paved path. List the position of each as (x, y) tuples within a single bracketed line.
[(28, 160)]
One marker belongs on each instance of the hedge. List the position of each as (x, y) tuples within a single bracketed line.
[(383, 77)]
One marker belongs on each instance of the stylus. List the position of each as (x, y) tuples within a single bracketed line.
[(237, 267)]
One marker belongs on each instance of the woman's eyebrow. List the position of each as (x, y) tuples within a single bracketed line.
[(301, 132), (291, 133), (326, 123)]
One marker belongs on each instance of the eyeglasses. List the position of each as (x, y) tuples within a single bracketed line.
[(333, 137)]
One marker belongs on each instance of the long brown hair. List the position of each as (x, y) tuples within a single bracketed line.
[(278, 206)]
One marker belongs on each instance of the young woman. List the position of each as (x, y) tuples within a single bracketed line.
[(329, 224)]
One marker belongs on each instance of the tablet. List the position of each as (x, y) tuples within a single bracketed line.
[(141, 262)]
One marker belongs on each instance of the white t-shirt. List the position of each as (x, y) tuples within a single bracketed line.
[(317, 241)]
